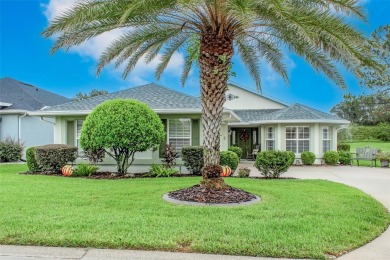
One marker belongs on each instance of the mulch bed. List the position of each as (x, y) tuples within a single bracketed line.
[(201, 195)]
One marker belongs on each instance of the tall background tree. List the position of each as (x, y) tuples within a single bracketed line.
[(212, 31), (93, 93)]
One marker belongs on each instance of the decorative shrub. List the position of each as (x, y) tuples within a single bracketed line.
[(122, 127), (272, 164), (291, 157), (331, 157), (31, 159), (379, 132), (344, 147), (308, 158), (95, 155), (244, 172), (237, 150), (158, 170), (53, 157), (230, 159), (383, 156), (193, 158), (169, 156), (10, 150), (344, 157), (85, 169)]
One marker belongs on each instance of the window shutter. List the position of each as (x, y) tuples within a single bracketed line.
[(195, 132), (70, 138), (164, 143)]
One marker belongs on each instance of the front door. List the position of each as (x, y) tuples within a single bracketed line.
[(243, 138)]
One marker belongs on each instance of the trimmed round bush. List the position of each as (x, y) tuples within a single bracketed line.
[(291, 156), (331, 157), (272, 164), (193, 158), (344, 147), (308, 158), (237, 150), (31, 159), (344, 157), (122, 127), (229, 158)]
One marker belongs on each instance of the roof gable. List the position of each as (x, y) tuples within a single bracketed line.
[(24, 96)]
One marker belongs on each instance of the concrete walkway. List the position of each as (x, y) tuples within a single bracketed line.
[(374, 181)]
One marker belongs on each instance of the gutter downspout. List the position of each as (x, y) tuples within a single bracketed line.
[(53, 123), (20, 126)]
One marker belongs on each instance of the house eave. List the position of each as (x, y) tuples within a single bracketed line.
[(13, 112), (296, 121)]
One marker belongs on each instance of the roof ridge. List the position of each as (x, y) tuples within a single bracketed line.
[(311, 110)]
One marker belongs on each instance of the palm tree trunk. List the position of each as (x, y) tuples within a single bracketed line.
[(215, 62)]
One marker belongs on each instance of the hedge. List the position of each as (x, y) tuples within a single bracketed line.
[(331, 157), (229, 158), (10, 150), (193, 158), (53, 157), (272, 164), (308, 158), (237, 150), (31, 159), (379, 132)]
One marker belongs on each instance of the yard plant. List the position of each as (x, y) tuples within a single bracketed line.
[(211, 31), (130, 214), (272, 164), (122, 128)]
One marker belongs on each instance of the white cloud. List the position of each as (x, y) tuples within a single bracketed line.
[(94, 47)]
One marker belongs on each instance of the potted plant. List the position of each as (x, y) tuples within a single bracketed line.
[(384, 158)]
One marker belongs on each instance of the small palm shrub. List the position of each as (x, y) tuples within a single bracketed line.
[(159, 170), (53, 157), (344, 157), (85, 169), (291, 157), (331, 157), (31, 159), (230, 159), (10, 150), (308, 158), (193, 158), (344, 147), (237, 150), (272, 164), (244, 172)]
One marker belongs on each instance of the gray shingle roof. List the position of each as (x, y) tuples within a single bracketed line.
[(27, 97), (293, 112), (156, 96)]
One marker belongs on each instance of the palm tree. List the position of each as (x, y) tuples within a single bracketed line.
[(212, 31)]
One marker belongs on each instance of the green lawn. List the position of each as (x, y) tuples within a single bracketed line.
[(384, 146), (296, 218)]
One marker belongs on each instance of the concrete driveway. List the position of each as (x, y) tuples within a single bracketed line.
[(373, 181)]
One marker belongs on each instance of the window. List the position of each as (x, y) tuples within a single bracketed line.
[(270, 140), (254, 138), (298, 139), (325, 139), (79, 124), (179, 133)]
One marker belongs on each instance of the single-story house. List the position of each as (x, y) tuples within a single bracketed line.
[(250, 121), (17, 99)]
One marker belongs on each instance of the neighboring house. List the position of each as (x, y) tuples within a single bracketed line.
[(250, 121), (17, 99)]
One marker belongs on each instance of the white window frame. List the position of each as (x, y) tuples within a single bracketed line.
[(77, 138), (297, 139), (190, 137), (270, 139), (328, 139)]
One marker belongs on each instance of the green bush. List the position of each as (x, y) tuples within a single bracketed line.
[(308, 158), (53, 157), (237, 150), (229, 158), (193, 158), (158, 170), (31, 159), (331, 157), (10, 150), (344, 157), (85, 169), (244, 172), (272, 164), (122, 127), (291, 157), (344, 147), (357, 133)]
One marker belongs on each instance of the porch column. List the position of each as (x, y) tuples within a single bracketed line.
[(224, 137), (334, 139), (60, 131), (316, 140)]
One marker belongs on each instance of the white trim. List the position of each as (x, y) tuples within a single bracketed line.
[(292, 121), (13, 111)]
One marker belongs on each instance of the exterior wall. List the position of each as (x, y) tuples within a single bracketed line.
[(224, 137), (249, 100), (33, 131)]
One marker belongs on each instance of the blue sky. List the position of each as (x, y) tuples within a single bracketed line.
[(25, 56)]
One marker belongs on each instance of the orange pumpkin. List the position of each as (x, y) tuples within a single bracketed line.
[(226, 171), (67, 170)]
